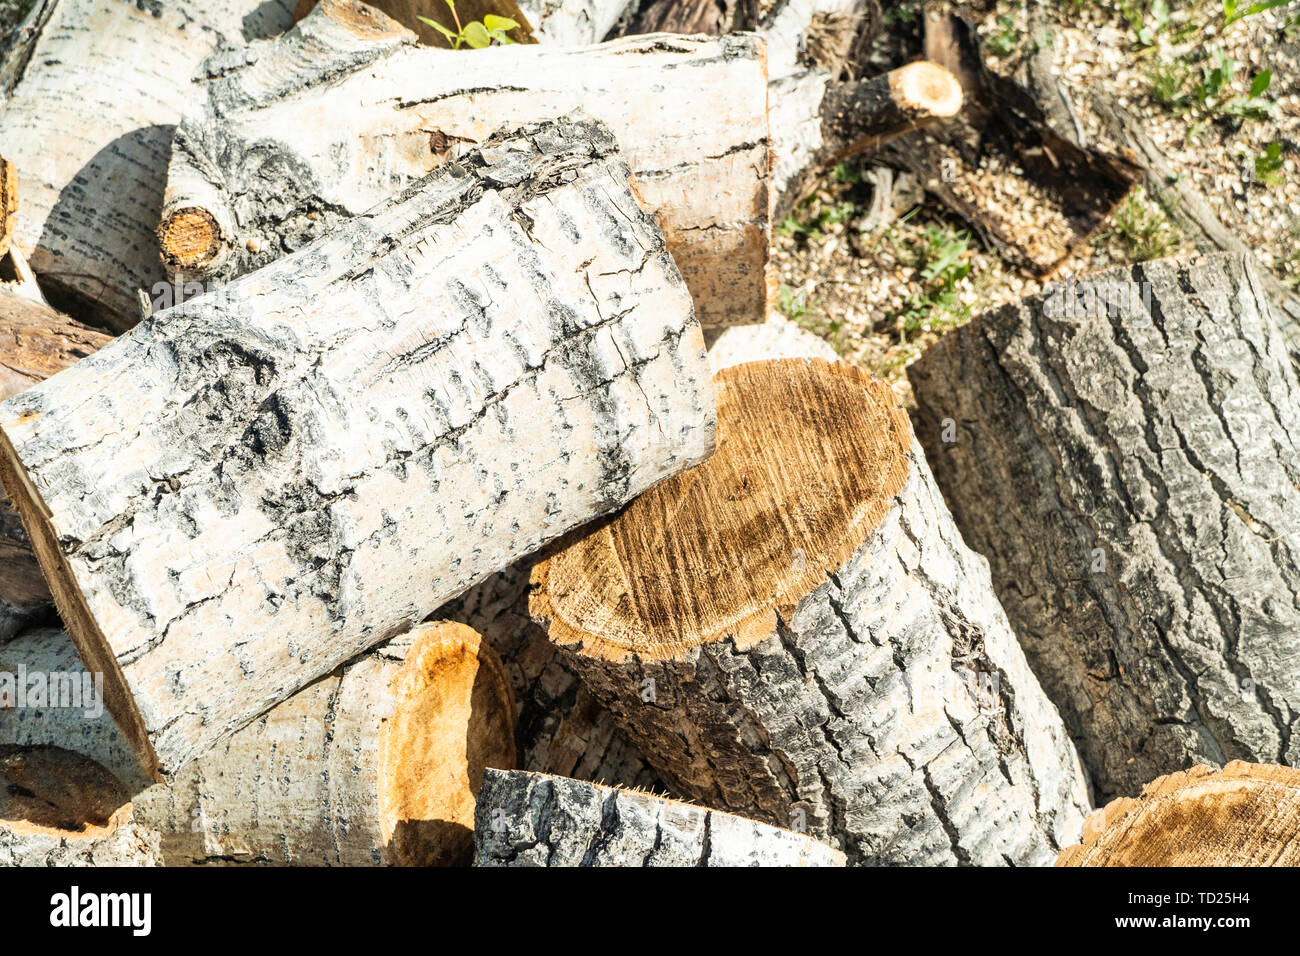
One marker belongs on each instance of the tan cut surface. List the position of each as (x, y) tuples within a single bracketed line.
[(1246, 814), (188, 237), (809, 456), (54, 790), (36, 342), (454, 716), (926, 87)]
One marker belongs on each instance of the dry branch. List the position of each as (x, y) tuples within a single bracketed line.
[(320, 454), (794, 631)]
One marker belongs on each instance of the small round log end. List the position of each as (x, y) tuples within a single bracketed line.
[(926, 89), (189, 238)]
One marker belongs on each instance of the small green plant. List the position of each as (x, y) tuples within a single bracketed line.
[(942, 257), (1213, 91), (1005, 41), (796, 306), (1268, 165), (816, 227), (1144, 31), (1233, 10), (1143, 228), (475, 34), (1166, 81)]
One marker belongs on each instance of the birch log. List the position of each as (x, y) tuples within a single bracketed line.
[(92, 90), (379, 762), (1123, 450), (1246, 814), (36, 342), (314, 127), (562, 729), (59, 808), (530, 819), (318, 455), (795, 632), (573, 22)]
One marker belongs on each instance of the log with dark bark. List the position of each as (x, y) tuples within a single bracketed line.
[(794, 631), (257, 174), (320, 454), (708, 17), (1124, 453), (1246, 814), (531, 819), (379, 762), (35, 343), (91, 92), (409, 12)]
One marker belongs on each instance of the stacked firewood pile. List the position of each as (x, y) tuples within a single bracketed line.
[(402, 468)]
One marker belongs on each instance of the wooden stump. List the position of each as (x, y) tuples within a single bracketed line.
[(1246, 814), (1123, 450), (257, 172), (38, 342), (794, 631), (59, 808), (92, 91), (320, 454), (378, 762), (531, 819)]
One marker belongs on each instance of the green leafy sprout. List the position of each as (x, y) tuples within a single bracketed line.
[(475, 34)]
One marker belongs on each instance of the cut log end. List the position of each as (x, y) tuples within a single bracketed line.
[(817, 442), (926, 89), (190, 239), (454, 717), (1246, 814)]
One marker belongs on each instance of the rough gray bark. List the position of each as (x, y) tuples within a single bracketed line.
[(1131, 471), (529, 819), (320, 454), (889, 711), (257, 172), (92, 90)]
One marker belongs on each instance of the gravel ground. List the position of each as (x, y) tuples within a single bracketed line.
[(882, 293)]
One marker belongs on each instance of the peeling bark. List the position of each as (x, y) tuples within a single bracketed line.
[(321, 453), (1124, 453), (794, 631), (529, 819), (257, 173), (92, 90)]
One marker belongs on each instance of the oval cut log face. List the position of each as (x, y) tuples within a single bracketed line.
[(809, 457), (454, 716)]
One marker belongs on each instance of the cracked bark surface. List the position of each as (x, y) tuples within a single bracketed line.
[(257, 172), (563, 730), (1246, 814), (37, 342), (1133, 478), (376, 763), (530, 819), (89, 132), (320, 454), (795, 631), (59, 808)]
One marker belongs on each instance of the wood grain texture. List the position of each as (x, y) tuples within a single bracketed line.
[(794, 631), (1246, 814), (376, 763), (1125, 456), (92, 92), (318, 455), (8, 203), (530, 819), (290, 139), (35, 342)]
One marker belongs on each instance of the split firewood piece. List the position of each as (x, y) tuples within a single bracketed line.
[(852, 118), (256, 173), (38, 342), (562, 728), (1246, 814), (532, 819), (318, 455), (1123, 450), (92, 93), (409, 12), (379, 762), (59, 808), (795, 632)]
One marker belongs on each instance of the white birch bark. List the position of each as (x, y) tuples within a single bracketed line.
[(529, 819), (323, 452), (573, 22), (288, 140), (92, 91)]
